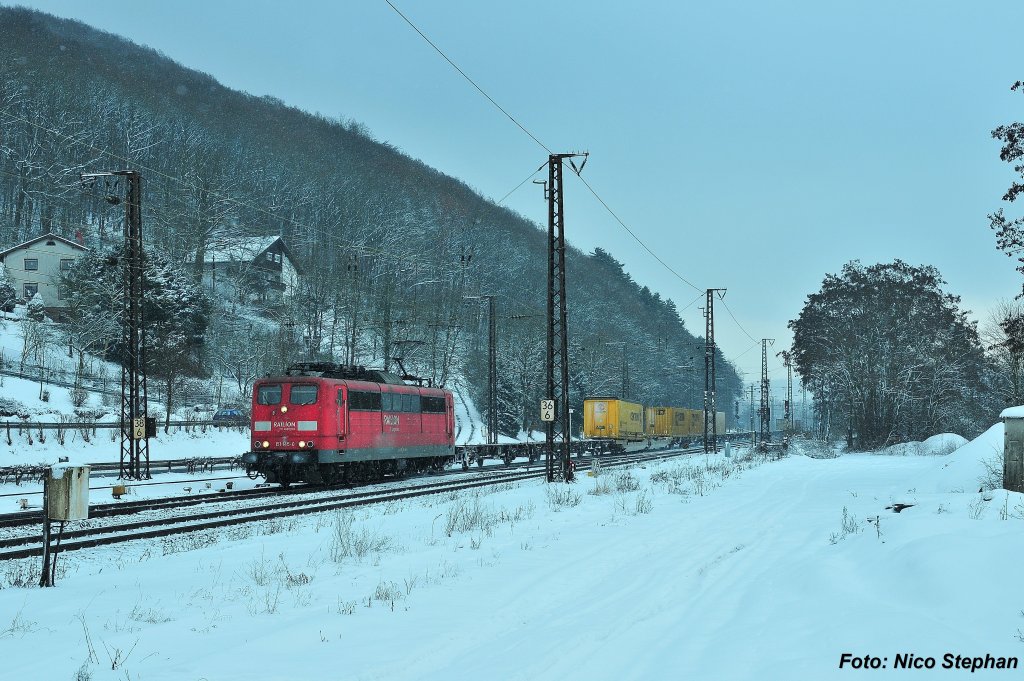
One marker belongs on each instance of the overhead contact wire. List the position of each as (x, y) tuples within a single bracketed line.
[(466, 76)]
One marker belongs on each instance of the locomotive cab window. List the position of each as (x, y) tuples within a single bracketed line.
[(302, 393), (387, 402), (433, 405), (360, 400), (269, 394)]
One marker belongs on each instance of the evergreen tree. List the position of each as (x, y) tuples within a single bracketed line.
[(176, 313), (886, 351)]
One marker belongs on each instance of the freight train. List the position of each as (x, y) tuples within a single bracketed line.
[(327, 423), (627, 426)]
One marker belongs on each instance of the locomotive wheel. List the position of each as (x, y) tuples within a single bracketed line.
[(284, 477)]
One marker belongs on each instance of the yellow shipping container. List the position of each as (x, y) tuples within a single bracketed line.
[(659, 421), (696, 425), (687, 422), (610, 418), (679, 416), (690, 422)]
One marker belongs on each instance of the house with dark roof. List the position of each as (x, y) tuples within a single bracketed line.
[(36, 266), (259, 268)]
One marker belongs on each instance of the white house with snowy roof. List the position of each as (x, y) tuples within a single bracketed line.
[(257, 268), (35, 266)]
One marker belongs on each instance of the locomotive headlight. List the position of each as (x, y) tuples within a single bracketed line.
[(266, 444), (256, 444), (302, 444), (284, 409), (310, 444)]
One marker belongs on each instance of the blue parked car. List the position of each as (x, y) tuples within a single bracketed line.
[(230, 416)]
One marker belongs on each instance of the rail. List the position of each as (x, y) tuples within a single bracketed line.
[(24, 424), (88, 537)]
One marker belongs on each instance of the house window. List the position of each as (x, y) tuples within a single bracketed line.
[(31, 264), (62, 292), (66, 263), (277, 257), (270, 257), (31, 290)]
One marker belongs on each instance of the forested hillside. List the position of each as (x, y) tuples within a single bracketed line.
[(389, 248)]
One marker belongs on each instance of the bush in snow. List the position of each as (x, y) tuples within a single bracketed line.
[(992, 478), (625, 482), (349, 542), (560, 497), (36, 310), (848, 525), (7, 296)]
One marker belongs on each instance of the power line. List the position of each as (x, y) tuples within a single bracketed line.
[(516, 188), (375, 252), (464, 75), (511, 118), (738, 322), (690, 304), (638, 239)]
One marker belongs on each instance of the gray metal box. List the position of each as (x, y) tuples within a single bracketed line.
[(1013, 452), (67, 493)]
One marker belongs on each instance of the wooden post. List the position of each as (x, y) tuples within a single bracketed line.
[(44, 578)]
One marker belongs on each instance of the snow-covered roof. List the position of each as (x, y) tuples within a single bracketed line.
[(241, 249), (47, 236), (1012, 413)]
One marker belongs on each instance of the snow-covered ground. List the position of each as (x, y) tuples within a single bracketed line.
[(701, 568)]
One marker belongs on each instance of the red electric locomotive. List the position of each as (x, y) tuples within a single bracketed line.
[(328, 423)]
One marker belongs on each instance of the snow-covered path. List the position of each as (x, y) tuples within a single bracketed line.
[(755, 579)]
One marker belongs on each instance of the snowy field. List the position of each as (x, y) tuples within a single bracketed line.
[(694, 569)]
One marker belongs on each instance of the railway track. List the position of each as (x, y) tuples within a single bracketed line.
[(29, 544)]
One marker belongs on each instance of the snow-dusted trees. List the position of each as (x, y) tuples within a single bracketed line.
[(176, 313), (388, 247), (1010, 231), (1003, 335), (890, 354)]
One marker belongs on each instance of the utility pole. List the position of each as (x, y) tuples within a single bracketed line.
[(557, 444), (492, 373), (787, 361), (624, 395), (710, 409), (492, 368), (803, 407), (625, 374), (789, 394), (135, 424), (766, 410), (753, 442), (353, 287)]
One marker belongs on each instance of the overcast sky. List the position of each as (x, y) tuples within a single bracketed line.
[(754, 146)]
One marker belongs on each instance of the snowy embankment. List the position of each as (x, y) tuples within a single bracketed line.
[(703, 568), (31, 401), (27, 446)]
